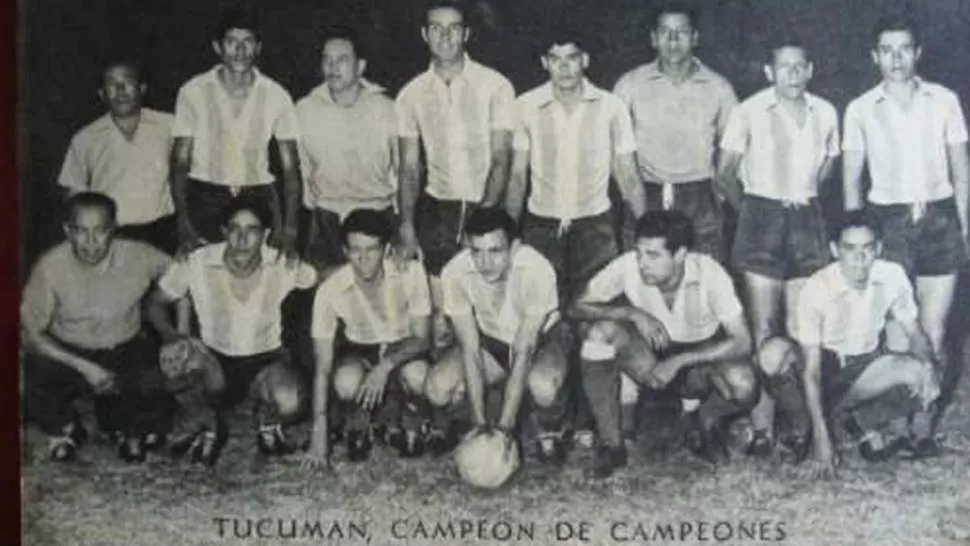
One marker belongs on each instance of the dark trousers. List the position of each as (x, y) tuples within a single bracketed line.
[(140, 405), (161, 234), (207, 203), (441, 226), (324, 244), (698, 202)]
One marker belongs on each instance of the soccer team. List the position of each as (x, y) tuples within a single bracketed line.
[(464, 250)]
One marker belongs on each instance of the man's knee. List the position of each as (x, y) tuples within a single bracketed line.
[(545, 385), (347, 379), (778, 356), (414, 375), (896, 339), (601, 340), (917, 376), (442, 382), (287, 399), (742, 383)]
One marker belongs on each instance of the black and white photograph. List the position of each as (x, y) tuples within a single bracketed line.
[(444, 272)]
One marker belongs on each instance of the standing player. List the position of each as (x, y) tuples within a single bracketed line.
[(842, 312), (784, 141), (348, 146), (81, 324), (458, 114), (236, 288), (912, 135), (679, 108), (371, 331), (124, 155), (224, 120), (500, 295), (571, 136), (678, 327)]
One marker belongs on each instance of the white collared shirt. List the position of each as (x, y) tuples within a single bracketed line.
[(849, 321), (228, 150), (132, 172), (384, 318), (571, 153), (228, 324), (906, 151), (782, 160), (705, 298), (455, 123)]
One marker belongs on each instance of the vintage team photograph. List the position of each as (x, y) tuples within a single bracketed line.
[(444, 272)]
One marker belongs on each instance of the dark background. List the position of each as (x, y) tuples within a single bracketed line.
[(64, 45)]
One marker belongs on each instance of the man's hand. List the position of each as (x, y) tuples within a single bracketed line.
[(316, 460), (663, 373), (189, 239), (371, 391), (408, 245), (101, 380), (822, 465), (651, 329)]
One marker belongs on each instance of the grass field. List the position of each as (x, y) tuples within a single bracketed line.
[(100, 501)]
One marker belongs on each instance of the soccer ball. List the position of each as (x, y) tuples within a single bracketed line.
[(486, 459), (183, 361)]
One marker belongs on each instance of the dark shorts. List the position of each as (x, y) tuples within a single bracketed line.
[(838, 379), (587, 246), (161, 233), (556, 338), (932, 245), (324, 246), (207, 201), (698, 202), (440, 225), (778, 240), (241, 371)]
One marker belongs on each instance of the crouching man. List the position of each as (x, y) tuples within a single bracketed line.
[(500, 295), (81, 322), (371, 332), (236, 288), (843, 311), (679, 325)]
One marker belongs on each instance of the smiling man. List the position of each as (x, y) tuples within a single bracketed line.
[(224, 120)]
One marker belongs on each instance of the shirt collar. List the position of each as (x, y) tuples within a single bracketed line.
[(773, 100), (842, 286), (921, 89), (546, 96), (699, 71), (212, 255), (468, 66), (367, 88), (213, 75), (106, 123)]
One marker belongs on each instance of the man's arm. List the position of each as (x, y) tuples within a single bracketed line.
[(812, 381), (409, 180), (518, 184), (523, 349), (919, 343), (825, 172), (498, 173), (466, 331), (181, 162), (960, 173), (292, 186), (157, 311), (413, 346), (320, 435), (43, 344), (727, 177), (627, 177), (852, 164)]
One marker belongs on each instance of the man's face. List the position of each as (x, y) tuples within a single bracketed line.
[(857, 251), (341, 68), (365, 254), (896, 54), (790, 72), (656, 263), (674, 38), (121, 90), (565, 65), (445, 34), (245, 235), (90, 233), (491, 254), (238, 49)]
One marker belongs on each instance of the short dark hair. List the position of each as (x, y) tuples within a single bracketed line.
[(675, 6), (780, 41), (458, 5), (674, 227), (347, 33), (564, 33), (896, 21), (87, 200), (368, 222), (131, 63), (257, 206), (487, 220), (241, 17), (861, 218)]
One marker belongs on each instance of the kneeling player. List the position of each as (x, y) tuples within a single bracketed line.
[(681, 327), (372, 331), (236, 288), (842, 312), (500, 295)]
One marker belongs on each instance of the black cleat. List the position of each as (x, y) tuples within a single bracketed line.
[(706, 444), (924, 448), (358, 445), (762, 445), (63, 449), (797, 448), (607, 460), (441, 442), (207, 448), (154, 441), (271, 440), (410, 444), (132, 450), (552, 449)]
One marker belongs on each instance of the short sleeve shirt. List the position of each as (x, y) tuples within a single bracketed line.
[(455, 123), (228, 324), (847, 321), (705, 299), (381, 317), (499, 308), (906, 152), (92, 307), (233, 150), (133, 172), (782, 160), (571, 153)]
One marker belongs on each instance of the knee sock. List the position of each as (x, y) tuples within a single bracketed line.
[(601, 381)]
